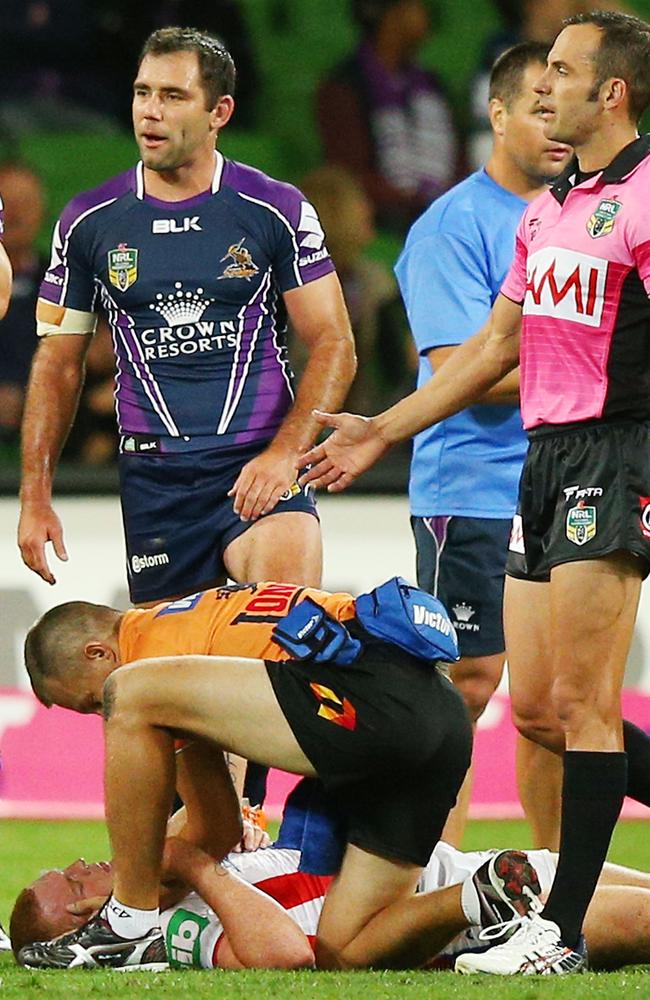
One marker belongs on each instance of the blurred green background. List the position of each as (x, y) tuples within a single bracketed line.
[(295, 43)]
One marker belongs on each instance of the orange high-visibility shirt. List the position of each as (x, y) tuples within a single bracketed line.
[(225, 621)]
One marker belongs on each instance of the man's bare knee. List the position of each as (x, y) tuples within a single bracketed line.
[(477, 679), (539, 727)]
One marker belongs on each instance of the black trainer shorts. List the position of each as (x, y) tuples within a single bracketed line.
[(389, 737), (584, 493)]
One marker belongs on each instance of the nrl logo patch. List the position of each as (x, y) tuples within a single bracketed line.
[(242, 266), (581, 524), (601, 222), (123, 267)]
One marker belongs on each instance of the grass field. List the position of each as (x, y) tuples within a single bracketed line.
[(28, 847)]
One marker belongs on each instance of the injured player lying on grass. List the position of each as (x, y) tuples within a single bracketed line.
[(261, 910)]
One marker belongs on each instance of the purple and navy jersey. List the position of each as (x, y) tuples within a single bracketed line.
[(193, 294)]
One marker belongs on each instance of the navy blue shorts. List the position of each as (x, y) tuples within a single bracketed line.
[(178, 518), (462, 561)]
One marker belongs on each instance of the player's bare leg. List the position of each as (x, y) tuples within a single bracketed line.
[(391, 927), (227, 701), (527, 626), (476, 677), (593, 609), (620, 875), (388, 925), (617, 927), (539, 781), (284, 546)]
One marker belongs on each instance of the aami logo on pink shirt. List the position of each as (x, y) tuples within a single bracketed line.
[(566, 284)]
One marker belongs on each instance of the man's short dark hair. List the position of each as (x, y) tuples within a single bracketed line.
[(216, 65), (624, 52), (508, 71), (57, 635)]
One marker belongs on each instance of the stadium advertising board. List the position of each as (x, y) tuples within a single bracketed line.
[(53, 759)]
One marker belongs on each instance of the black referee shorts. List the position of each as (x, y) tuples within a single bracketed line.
[(584, 494), (390, 738)]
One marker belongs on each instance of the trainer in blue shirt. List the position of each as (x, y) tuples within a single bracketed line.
[(465, 470)]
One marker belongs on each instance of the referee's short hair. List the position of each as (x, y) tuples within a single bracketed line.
[(508, 71), (624, 52), (216, 65)]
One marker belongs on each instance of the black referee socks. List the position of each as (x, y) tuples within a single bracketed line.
[(593, 790)]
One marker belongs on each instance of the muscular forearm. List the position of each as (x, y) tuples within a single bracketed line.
[(505, 392), (465, 378), (50, 408), (324, 384), (260, 934)]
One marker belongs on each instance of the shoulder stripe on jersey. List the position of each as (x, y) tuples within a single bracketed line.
[(218, 172), (285, 221), (139, 180), (236, 382), (140, 367), (66, 242)]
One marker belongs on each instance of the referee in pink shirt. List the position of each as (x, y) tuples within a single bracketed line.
[(574, 311)]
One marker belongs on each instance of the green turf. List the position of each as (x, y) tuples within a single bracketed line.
[(27, 848)]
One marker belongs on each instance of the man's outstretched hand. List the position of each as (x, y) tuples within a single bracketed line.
[(353, 447)]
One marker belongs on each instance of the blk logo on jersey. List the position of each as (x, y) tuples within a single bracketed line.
[(566, 285), (122, 267), (602, 221), (242, 266), (645, 516), (186, 225)]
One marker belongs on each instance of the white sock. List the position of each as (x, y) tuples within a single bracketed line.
[(127, 921), (469, 902)]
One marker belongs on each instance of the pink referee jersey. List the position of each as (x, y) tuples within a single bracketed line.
[(582, 273)]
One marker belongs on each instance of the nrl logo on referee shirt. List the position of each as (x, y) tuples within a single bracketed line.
[(602, 221), (122, 267)]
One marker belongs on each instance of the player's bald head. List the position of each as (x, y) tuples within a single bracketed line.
[(55, 645)]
